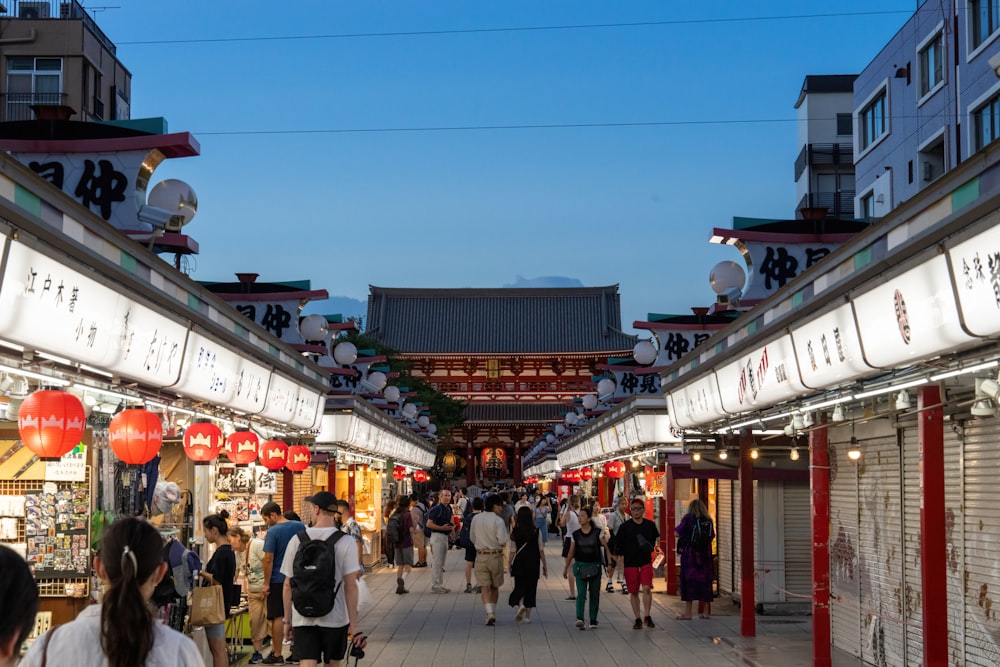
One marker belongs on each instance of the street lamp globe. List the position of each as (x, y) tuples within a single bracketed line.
[(589, 402), (726, 276), (644, 352), (345, 353), (314, 327)]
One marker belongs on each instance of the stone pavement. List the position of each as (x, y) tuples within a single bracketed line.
[(424, 628)]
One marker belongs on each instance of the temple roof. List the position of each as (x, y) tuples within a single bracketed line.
[(498, 320), (518, 413)]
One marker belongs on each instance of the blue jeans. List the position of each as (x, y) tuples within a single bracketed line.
[(585, 589), (543, 527)]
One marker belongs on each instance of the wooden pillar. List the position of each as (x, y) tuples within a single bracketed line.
[(819, 484), (933, 558), (667, 528), (331, 474), (748, 622), (703, 491), (287, 490), (470, 466)]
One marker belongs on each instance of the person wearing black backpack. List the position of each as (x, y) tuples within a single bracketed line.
[(694, 543), (321, 589)]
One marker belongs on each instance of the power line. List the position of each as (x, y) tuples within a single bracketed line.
[(470, 31)]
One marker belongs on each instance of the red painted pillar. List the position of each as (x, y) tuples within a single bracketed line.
[(819, 484), (667, 530), (933, 562), (287, 490), (748, 622), (470, 466)]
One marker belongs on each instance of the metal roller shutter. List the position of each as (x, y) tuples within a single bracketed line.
[(798, 543), (982, 529), (724, 511), (845, 580), (954, 510)]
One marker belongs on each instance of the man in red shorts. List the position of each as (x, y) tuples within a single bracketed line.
[(635, 541)]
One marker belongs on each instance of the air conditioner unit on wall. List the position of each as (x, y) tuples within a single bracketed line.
[(34, 10)]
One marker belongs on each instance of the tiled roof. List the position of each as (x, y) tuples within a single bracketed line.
[(518, 413), (498, 321)]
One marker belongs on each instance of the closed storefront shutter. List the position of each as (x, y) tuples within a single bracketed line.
[(981, 539), (845, 579), (798, 543), (724, 510)]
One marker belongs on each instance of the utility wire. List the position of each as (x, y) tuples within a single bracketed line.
[(471, 31)]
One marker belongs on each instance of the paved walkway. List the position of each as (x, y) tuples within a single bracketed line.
[(423, 628)]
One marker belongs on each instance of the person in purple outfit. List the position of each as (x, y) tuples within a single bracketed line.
[(694, 543)]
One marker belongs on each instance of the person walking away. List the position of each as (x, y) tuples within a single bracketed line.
[(570, 523), (121, 631), (402, 549), (635, 543), (349, 525), (588, 550), (465, 540), (489, 535), (328, 636), (18, 605), (695, 533), (279, 532), (438, 522), (417, 511), (542, 511), (615, 521), (529, 553), (390, 550), (252, 564)]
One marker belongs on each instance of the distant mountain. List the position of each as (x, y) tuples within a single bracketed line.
[(546, 281)]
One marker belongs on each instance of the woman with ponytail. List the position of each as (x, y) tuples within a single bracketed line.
[(121, 631), (221, 570)]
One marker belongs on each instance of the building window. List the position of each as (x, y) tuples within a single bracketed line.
[(985, 20), (32, 81), (868, 206), (931, 69), (872, 120), (845, 124), (986, 122)]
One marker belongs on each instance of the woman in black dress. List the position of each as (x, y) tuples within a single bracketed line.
[(527, 555), (221, 570)]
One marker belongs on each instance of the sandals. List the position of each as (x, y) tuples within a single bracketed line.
[(682, 617)]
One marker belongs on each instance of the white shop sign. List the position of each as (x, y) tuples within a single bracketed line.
[(282, 399), (697, 403), (766, 376), (828, 349), (149, 346), (975, 266), (909, 317), (210, 370)]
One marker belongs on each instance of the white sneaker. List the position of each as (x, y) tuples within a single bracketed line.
[(520, 613), (527, 621)]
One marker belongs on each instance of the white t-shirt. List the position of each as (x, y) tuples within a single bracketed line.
[(572, 522), (346, 563), (78, 643)]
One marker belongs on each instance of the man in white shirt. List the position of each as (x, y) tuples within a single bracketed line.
[(326, 635), (489, 535)]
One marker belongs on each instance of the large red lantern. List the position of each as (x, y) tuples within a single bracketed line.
[(420, 476), (614, 469), (241, 447), (51, 423), (202, 442), (273, 454), (298, 458), (586, 474), (399, 473), (135, 436), (570, 476)]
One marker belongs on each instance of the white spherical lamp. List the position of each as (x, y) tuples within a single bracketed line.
[(391, 394), (432, 429), (644, 352), (377, 380), (423, 421), (559, 429), (571, 418), (410, 410), (550, 438), (605, 387), (726, 276), (314, 327), (345, 353), (589, 402)]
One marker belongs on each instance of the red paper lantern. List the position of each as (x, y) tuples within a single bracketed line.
[(570, 476), (586, 474), (399, 473), (614, 469), (241, 447), (298, 458), (202, 442), (135, 436), (420, 476), (51, 423), (273, 454)]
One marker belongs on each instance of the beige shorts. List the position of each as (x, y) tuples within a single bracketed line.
[(489, 569), (419, 539), (259, 627)]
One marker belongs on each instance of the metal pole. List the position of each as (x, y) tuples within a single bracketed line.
[(933, 559), (819, 482), (748, 623)]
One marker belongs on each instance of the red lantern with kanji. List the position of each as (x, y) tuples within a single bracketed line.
[(135, 436), (51, 423), (273, 454), (586, 474), (298, 458), (202, 442), (614, 469), (241, 447), (399, 473), (420, 476), (570, 476)]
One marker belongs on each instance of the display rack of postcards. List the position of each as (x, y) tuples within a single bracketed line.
[(48, 523)]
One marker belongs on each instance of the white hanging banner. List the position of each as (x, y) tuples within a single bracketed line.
[(828, 349), (975, 268), (766, 376)]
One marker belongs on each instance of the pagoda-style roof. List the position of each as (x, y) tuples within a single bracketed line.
[(517, 413), (498, 321)]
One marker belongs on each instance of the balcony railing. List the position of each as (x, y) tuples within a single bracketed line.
[(839, 205), (823, 154), (59, 9), (17, 106)]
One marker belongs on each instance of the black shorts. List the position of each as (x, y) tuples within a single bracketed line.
[(566, 542), (323, 644), (275, 601), (470, 555)]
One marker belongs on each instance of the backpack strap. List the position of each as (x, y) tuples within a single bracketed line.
[(332, 541)]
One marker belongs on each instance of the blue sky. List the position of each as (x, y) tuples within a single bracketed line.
[(291, 194)]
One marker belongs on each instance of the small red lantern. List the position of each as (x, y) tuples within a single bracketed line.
[(298, 458), (135, 436), (586, 474), (241, 447), (420, 476), (50, 423), (570, 476), (202, 442), (273, 454), (399, 473), (614, 469)]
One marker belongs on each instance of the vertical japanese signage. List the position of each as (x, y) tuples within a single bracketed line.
[(761, 378), (279, 317), (975, 268), (697, 402), (828, 349), (776, 263)]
